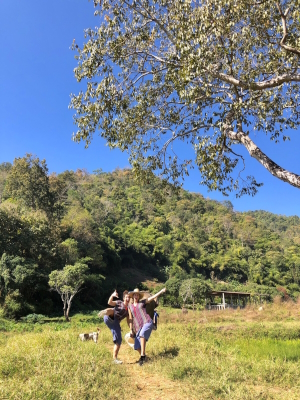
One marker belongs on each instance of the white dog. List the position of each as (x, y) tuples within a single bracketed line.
[(89, 336)]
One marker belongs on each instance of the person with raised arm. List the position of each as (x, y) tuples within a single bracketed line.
[(112, 318), (140, 322)]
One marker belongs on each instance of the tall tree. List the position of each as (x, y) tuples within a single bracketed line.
[(19, 273), (5, 167), (28, 181), (205, 72), (22, 284)]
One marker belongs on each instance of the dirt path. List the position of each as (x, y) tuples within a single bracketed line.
[(144, 384)]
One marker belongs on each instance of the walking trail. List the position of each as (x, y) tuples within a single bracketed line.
[(151, 386)]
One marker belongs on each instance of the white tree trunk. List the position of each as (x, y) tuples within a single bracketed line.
[(255, 152)]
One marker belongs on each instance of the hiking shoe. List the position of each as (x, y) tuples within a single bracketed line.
[(146, 359), (102, 313), (141, 361), (116, 361)]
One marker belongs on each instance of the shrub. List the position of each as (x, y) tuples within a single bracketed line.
[(33, 318), (15, 306)]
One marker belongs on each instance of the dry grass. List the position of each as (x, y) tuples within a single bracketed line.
[(290, 311), (241, 354)]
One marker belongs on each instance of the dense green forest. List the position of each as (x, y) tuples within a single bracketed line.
[(131, 235)]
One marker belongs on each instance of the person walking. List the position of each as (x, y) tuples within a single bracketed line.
[(140, 322)]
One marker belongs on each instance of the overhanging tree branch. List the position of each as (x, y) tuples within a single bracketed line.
[(255, 86), (263, 159), (285, 32), (183, 67)]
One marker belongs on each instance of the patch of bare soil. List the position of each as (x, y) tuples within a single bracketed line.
[(144, 384)]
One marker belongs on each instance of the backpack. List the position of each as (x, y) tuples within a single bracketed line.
[(150, 308)]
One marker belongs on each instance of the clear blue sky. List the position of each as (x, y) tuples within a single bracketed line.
[(36, 72)]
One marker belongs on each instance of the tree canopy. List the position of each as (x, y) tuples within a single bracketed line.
[(127, 235), (68, 282), (209, 73), (28, 182)]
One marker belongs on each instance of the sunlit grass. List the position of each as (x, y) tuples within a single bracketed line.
[(56, 364), (285, 350), (233, 355), (221, 367)]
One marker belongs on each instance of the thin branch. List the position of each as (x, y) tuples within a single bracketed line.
[(174, 137), (240, 156), (152, 19), (143, 75), (285, 32)]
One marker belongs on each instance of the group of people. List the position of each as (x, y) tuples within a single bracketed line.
[(133, 307)]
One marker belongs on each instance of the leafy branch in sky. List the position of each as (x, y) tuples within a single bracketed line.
[(208, 73)]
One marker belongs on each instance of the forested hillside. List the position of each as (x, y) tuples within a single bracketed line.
[(128, 234)]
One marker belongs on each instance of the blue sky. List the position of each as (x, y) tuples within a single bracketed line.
[(37, 79)]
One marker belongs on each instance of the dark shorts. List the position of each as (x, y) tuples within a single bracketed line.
[(144, 332), (114, 326)]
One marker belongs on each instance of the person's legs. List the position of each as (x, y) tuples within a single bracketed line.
[(117, 338), (114, 326), (137, 347), (143, 346), (143, 336), (116, 351), (108, 312), (137, 343)]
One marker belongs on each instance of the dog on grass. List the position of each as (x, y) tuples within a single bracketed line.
[(89, 336)]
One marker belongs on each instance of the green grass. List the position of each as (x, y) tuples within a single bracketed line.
[(222, 367), (55, 364), (285, 350), (226, 355)]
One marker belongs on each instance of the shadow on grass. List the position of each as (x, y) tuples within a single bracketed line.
[(91, 320), (169, 353)]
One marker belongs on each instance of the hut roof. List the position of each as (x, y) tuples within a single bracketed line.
[(220, 292)]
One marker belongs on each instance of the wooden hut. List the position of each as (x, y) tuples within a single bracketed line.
[(221, 299)]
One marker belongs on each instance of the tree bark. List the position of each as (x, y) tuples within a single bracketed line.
[(69, 308), (255, 152), (66, 311), (67, 314), (259, 86)]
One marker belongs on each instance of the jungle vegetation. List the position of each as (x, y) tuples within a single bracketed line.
[(127, 235)]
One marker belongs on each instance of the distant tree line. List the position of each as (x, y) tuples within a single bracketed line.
[(124, 234)]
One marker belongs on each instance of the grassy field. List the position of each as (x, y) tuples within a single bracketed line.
[(241, 354)]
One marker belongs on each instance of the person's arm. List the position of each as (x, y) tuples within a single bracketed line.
[(110, 300), (130, 321), (156, 295)]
